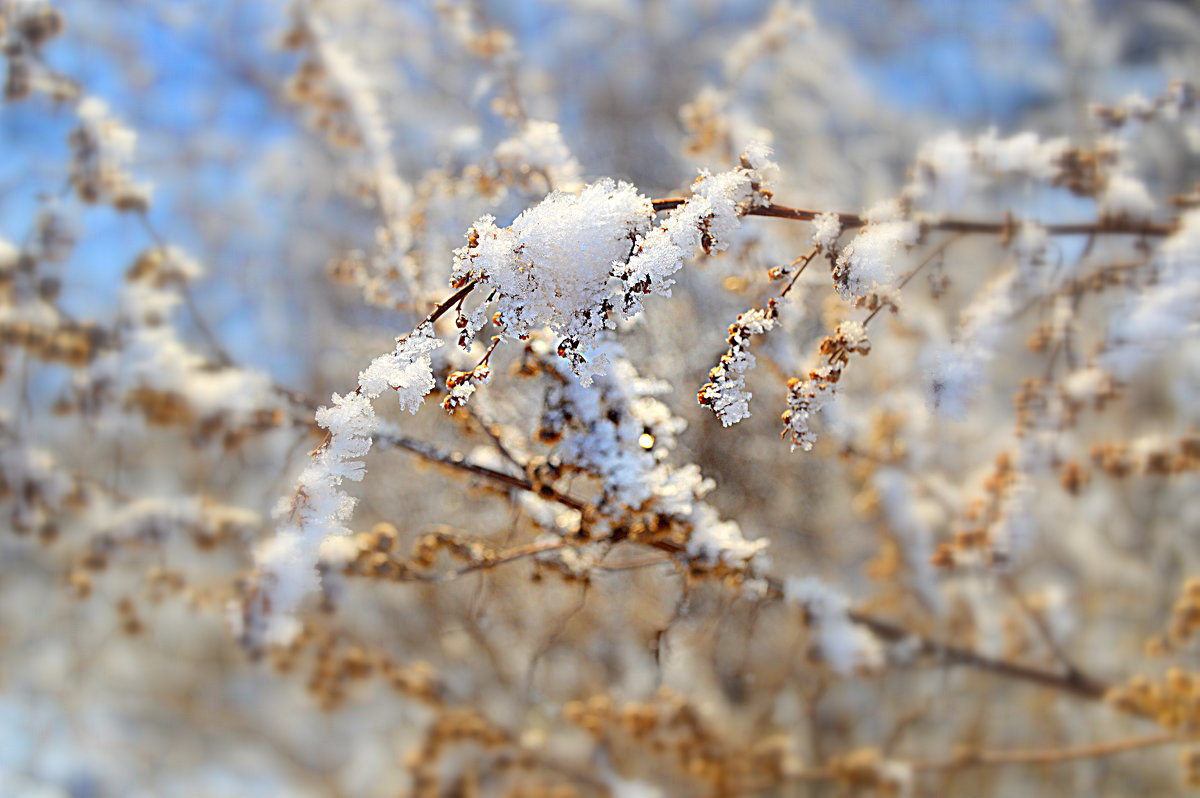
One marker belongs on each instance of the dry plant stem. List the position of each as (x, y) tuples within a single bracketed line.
[(206, 332), (803, 260), (930, 258), (1073, 682), (1039, 623), (1049, 756), (444, 306), (490, 430), (456, 461), (1032, 756), (492, 560), (851, 220)]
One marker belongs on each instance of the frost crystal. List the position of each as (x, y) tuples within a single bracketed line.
[(959, 370), (827, 227), (407, 370), (1030, 245), (551, 267), (162, 370), (949, 167), (806, 398), (714, 540), (102, 149), (539, 148), (318, 509), (705, 222), (901, 511), (865, 265), (616, 431), (809, 396), (725, 392), (1125, 196)]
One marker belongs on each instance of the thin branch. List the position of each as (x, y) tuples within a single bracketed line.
[(206, 332), (852, 220), (904, 281), (490, 561), (1073, 683), (1039, 622), (456, 461), (1076, 683), (441, 308), (1049, 756)]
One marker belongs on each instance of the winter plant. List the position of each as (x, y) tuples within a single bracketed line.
[(576, 398)]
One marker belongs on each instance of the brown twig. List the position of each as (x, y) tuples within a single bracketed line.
[(491, 561), (1048, 756), (932, 256), (851, 220)]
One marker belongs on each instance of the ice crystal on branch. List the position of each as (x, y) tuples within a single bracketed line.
[(827, 228), (407, 369), (318, 508), (806, 397), (725, 392), (539, 150), (703, 223), (959, 370), (102, 149), (1166, 312), (552, 266), (865, 265), (950, 167)]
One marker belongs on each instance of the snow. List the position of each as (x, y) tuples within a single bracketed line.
[(318, 510), (827, 227), (407, 370), (805, 399), (1125, 196), (844, 645), (551, 267), (539, 147), (958, 371), (725, 393), (704, 223), (1164, 313), (865, 265)]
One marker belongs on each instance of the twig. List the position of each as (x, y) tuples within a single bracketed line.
[(490, 561), (850, 220), (933, 254), (206, 332), (1048, 756), (1039, 623)]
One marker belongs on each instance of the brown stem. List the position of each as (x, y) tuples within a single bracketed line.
[(444, 306), (1049, 756), (850, 220), (932, 256), (494, 559), (1039, 623), (803, 260), (1074, 683), (457, 462)]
